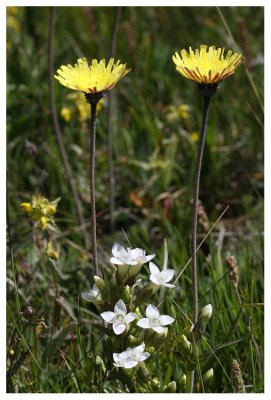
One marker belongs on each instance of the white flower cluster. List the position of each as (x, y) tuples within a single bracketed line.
[(129, 262)]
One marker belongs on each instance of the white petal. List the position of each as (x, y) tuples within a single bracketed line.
[(166, 320), (117, 249), (154, 279), (144, 323), (144, 356), (152, 311), (153, 268), (130, 317), (116, 357), (130, 261), (169, 285), (116, 261), (158, 329), (87, 296), (120, 308), (118, 328), (136, 253), (167, 274), (108, 316), (130, 364), (150, 257), (140, 348)]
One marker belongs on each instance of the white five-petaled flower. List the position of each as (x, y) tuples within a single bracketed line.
[(119, 318), (154, 320), (122, 256), (92, 295), (161, 278), (130, 357)]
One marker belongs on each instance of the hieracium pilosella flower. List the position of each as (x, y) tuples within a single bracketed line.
[(207, 65), (93, 80)]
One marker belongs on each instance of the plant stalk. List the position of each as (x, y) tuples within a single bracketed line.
[(206, 91), (92, 185)]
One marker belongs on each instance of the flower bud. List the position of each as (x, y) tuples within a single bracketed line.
[(43, 222), (208, 376), (99, 282), (155, 384), (185, 345), (182, 381), (171, 387), (126, 294), (26, 207), (132, 340), (99, 362), (51, 252), (202, 322)]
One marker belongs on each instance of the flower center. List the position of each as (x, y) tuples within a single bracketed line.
[(120, 318), (155, 321)]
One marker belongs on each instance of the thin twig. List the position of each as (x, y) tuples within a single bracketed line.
[(110, 132), (58, 132)]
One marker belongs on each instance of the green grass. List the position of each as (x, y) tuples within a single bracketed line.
[(154, 163)]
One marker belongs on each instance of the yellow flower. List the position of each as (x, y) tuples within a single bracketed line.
[(93, 78), (41, 212), (207, 65), (43, 222), (26, 207), (66, 114), (183, 111)]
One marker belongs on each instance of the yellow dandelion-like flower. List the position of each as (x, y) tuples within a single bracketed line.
[(94, 78), (207, 65)]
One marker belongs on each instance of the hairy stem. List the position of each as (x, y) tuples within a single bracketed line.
[(206, 100), (207, 91), (92, 141)]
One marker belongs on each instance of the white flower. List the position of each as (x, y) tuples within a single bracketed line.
[(92, 294), (119, 318), (122, 256), (130, 357), (161, 278), (154, 320)]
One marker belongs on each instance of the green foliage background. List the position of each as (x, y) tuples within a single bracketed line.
[(154, 163)]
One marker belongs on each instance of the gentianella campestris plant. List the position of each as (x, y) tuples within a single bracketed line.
[(207, 66), (93, 80)]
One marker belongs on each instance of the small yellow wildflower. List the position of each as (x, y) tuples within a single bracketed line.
[(207, 65), (26, 207), (66, 114), (43, 222), (93, 78), (41, 211), (195, 136), (183, 111)]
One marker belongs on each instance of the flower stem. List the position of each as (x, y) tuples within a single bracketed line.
[(92, 184), (206, 102), (206, 91)]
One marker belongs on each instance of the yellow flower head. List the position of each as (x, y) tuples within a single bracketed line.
[(207, 65), (93, 78)]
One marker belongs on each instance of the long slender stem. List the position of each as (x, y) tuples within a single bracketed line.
[(206, 103), (92, 184), (58, 132)]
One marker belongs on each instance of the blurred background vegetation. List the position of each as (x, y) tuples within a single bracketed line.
[(155, 123)]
